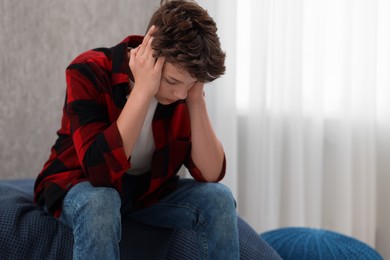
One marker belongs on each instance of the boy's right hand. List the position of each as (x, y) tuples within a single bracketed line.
[(146, 69)]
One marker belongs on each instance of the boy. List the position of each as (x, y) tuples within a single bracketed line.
[(133, 115)]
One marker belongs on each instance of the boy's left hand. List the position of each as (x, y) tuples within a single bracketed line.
[(196, 93)]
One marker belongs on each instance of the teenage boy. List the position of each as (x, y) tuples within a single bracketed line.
[(133, 115)]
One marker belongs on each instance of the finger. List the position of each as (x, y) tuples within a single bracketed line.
[(199, 84), (149, 50), (159, 64), (148, 54), (133, 53), (146, 39), (150, 33)]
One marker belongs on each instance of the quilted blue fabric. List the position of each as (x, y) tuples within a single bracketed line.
[(303, 243), (26, 232)]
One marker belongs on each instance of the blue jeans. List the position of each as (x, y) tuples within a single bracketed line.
[(94, 214)]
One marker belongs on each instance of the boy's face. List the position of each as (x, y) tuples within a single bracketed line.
[(175, 84)]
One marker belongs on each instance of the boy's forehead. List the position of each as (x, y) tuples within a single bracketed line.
[(177, 72), (174, 68)]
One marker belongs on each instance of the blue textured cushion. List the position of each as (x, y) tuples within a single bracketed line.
[(308, 243), (27, 232)]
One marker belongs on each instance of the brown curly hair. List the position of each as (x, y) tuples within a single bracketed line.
[(187, 36)]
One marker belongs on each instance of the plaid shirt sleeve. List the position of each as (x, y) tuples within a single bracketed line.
[(181, 129), (197, 174), (96, 138)]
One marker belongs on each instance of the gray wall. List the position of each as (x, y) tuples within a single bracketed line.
[(38, 39)]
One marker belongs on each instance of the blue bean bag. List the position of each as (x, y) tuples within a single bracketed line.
[(302, 243), (27, 232)]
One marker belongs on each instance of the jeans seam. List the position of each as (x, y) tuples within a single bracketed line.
[(75, 216), (201, 221)]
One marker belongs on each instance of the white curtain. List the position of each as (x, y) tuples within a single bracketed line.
[(302, 109)]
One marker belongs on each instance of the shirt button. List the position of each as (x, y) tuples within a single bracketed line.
[(68, 186)]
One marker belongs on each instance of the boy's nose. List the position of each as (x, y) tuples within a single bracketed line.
[(181, 94)]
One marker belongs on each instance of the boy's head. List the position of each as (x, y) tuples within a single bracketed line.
[(187, 37)]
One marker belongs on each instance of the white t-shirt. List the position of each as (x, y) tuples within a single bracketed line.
[(141, 156)]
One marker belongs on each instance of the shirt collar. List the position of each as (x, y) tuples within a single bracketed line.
[(120, 62)]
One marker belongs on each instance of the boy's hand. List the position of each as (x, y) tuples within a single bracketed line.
[(196, 93), (145, 68)]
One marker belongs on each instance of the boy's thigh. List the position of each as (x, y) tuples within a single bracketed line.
[(191, 204), (86, 199)]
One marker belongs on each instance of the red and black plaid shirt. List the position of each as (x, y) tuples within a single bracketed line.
[(89, 146)]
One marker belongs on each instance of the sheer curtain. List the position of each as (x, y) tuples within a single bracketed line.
[(302, 109)]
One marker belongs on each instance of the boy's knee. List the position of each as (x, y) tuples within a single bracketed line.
[(96, 214), (220, 197), (101, 201)]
